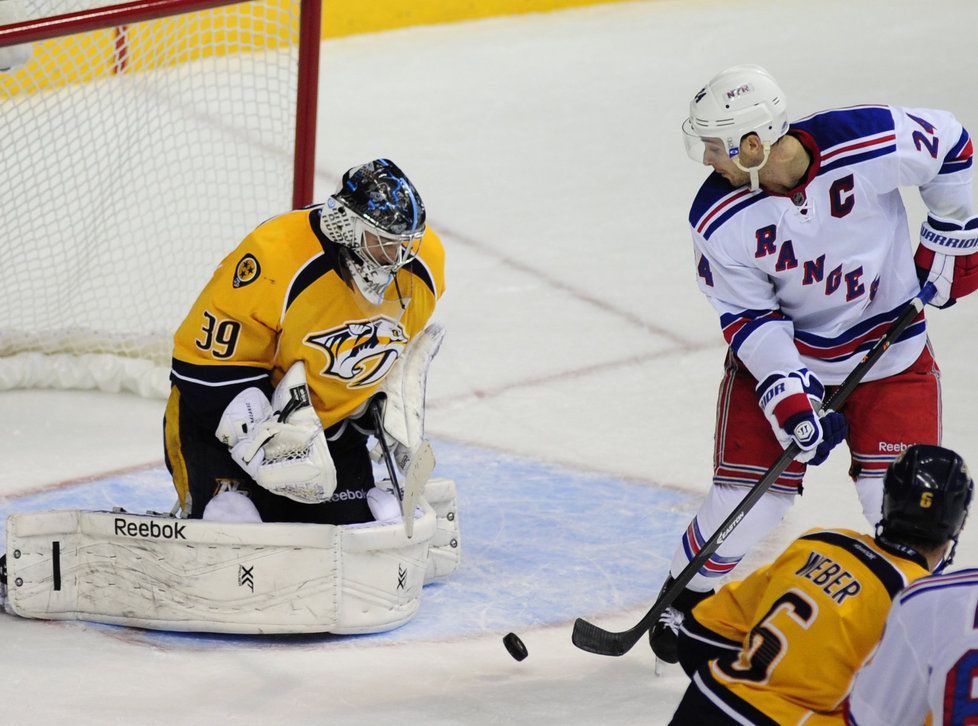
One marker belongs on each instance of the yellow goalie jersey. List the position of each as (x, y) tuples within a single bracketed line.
[(804, 624), (283, 296)]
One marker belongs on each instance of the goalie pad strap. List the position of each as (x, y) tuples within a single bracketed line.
[(445, 547)]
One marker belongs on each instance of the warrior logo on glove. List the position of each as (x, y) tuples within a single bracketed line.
[(804, 431), (361, 352)]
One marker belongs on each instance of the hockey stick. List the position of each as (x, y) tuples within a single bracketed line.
[(593, 639), (416, 476), (382, 438), (422, 464)]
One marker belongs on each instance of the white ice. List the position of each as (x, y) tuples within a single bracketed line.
[(547, 148)]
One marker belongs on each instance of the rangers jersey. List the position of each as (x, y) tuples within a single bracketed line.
[(283, 296), (813, 278), (927, 659), (796, 631)]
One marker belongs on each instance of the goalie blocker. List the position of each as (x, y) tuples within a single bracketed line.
[(165, 573)]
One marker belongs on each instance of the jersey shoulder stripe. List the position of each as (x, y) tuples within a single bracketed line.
[(960, 156), (317, 267), (933, 583), (884, 570), (429, 265), (717, 201), (419, 269), (838, 128), (847, 136)]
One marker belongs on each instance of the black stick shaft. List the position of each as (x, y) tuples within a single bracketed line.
[(388, 459), (593, 639)]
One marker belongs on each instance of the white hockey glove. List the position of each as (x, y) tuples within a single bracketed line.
[(280, 444), (14, 56), (403, 399), (383, 504), (790, 402), (948, 257)]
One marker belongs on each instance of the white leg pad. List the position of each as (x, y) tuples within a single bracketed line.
[(446, 544), (227, 577)]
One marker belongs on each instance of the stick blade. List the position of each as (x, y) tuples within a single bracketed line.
[(418, 472), (588, 636)]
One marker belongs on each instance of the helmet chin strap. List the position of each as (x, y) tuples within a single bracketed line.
[(753, 170)]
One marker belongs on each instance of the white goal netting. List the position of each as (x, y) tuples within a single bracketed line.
[(134, 159)]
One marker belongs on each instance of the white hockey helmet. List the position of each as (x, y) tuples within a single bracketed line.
[(738, 101)]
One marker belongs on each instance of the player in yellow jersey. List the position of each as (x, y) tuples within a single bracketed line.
[(782, 646), (279, 357)]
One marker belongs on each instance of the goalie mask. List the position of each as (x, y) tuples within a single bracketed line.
[(378, 217)]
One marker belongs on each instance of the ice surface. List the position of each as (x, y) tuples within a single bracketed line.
[(573, 399)]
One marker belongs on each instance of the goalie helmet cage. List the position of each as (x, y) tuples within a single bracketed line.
[(141, 142)]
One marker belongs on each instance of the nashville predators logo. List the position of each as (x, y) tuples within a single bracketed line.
[(360, 352), (247, 271)]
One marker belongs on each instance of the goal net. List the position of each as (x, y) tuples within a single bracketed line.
[(135, 156)]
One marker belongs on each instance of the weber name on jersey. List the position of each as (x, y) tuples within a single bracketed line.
[(813, 278), (797, 629), (283, 296)]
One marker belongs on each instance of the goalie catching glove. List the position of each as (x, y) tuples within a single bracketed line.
[(402, 397), (790, 402), (948, 257), (280, 444)]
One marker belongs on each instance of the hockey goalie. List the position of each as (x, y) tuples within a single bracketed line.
[(311, 337)]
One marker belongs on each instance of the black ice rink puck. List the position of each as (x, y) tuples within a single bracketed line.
[(515, 646)]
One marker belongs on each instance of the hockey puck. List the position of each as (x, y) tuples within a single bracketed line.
[(515, 646)]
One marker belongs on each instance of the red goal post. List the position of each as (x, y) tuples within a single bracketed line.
[(142, 140)]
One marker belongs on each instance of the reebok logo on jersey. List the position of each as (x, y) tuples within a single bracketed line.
[(887, 448), (151, 529), (348, 495)]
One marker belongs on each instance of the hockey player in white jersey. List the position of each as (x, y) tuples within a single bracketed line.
[(926, 660), (781, 646), (801, 244)]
